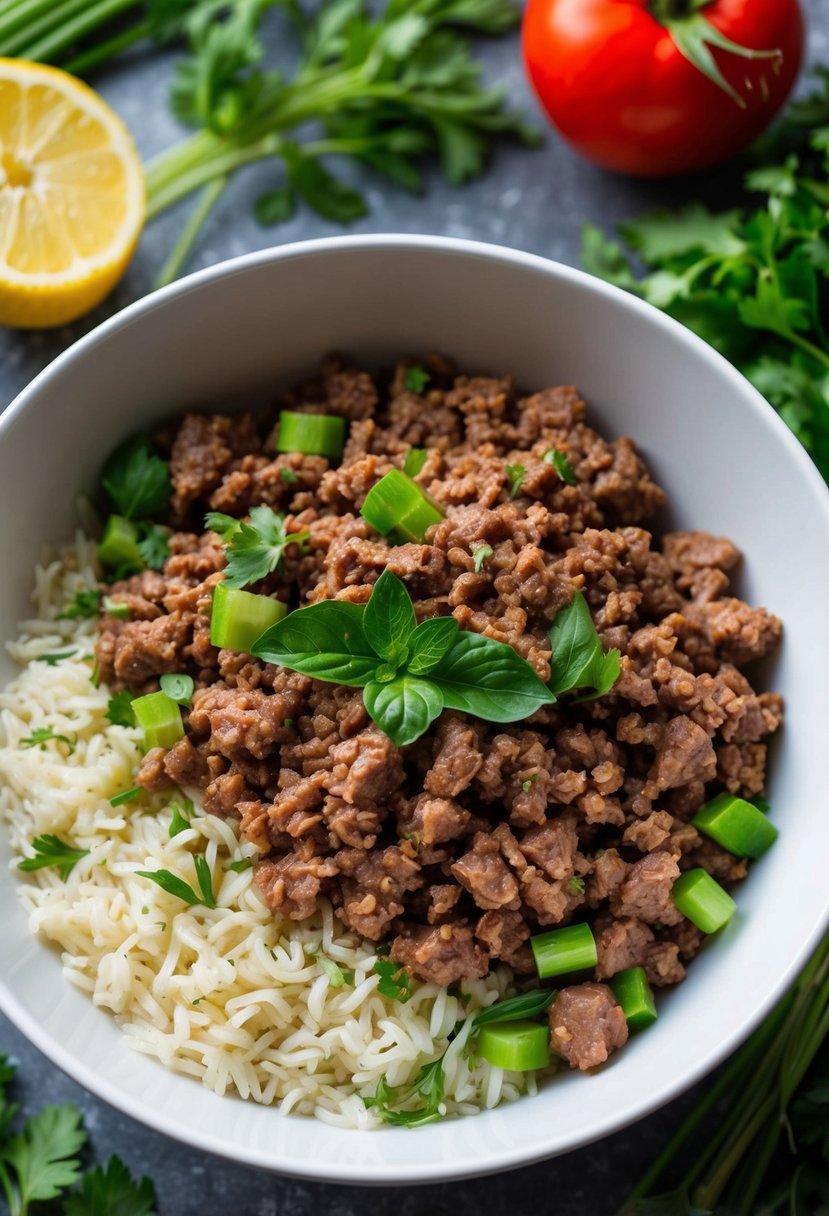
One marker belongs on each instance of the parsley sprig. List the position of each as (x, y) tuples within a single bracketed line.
[(392, 90), (751, 282), (409, 673), (84, 604), (394, 1103), (255, 549), (42, 735), (40, 1162), (174, 885)]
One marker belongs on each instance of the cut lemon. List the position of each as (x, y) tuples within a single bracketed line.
[(71, 196)]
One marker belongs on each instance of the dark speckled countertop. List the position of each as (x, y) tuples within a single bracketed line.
[(535, 201)]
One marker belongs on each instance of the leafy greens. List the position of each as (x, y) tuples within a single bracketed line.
[(255, 549), (409, 672), (579, 660), (753, 282)]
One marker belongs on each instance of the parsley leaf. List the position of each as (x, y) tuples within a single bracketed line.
[(52, 851), (516, 473), (84, 604), (43, 734), (44, 1156), (53, 659), (255, 549), (429, 1085), (154, 545), (110, 1190), (578, 658), (395, 981), (137, 480), (179, 822), (119, 708), (225, 526), (750, 281), (416, 379), (240, 865)]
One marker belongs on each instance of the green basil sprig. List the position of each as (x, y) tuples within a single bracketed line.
[(410, 673), (578, 658)]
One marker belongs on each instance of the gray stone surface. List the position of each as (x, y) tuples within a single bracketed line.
[(535, 201)]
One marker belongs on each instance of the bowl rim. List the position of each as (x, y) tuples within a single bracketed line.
[(498, 1159)]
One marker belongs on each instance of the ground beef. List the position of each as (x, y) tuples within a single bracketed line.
[(586, 1025), (459, 847)]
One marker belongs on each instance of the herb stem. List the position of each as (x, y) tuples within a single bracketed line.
[(69, 23), (96, 55), (189, 233)]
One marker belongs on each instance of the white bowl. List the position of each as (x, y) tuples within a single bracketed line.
[(730, 466)]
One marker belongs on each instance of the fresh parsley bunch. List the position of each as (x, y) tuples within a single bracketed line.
[(41, 1163), (392, 90), (753, 283)]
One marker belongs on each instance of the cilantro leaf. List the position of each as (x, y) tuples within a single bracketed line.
[(326, 194), (255, 549), (43, 735), (84, 604), (561, 464), (52, 851), (173, 885), (110, 1190), (154, 545), (119, 708), (44, 1156), (395, 981), (429, 1084), (669, 233), (137, 480)]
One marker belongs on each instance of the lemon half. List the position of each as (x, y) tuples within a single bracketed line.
[(71, 196)]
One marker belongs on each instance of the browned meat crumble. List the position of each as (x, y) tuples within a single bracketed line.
[(460, 846)]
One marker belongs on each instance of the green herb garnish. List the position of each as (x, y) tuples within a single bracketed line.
[(409, 672), (179, 822), (288, 476), (240, 865), (479, 555), (173, 885), (516, 1008), (44, 734), (84, 604), (337, 976), (41, 1160), (127, 796), (576, 885), (527, 785), (578, 658), (516, 473), (428, 1085), (395, 981), (751, 281), (119, 708), (154, 545), (561, 464), (54, 659), (137, 480), (178, 687), (52, 851), (255, 549), (416, 379)]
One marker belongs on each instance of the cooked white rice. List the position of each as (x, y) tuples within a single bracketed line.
[(228, 995)]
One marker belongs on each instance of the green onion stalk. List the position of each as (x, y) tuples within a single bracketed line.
[(741, 1125), (74, 34)]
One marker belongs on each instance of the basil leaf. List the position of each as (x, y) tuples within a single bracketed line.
[(528, 1005), (578, 658), (389, 618), (404, 708), (326, 641), (430, 642), (488, 679)]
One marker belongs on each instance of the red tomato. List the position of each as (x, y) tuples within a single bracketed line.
[(612, 78)]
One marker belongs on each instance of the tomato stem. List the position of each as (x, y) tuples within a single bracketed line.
[(694, 36)]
